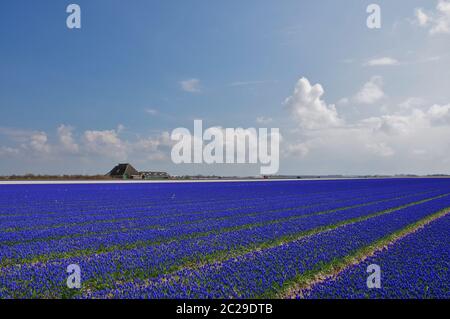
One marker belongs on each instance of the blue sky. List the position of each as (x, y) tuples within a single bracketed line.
[(78, 101)]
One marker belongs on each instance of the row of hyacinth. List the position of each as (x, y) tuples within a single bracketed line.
[(21, 225), (157, 259), (416, 267), (41, 232), (317, 215), (263, 273), (145, 240), (149, 237), (170, 210)]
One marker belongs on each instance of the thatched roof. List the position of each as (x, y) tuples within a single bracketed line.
[(122, 170)]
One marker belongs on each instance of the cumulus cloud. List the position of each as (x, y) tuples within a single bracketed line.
[(66, 139), (411, 136), (309, 110), (152, 143), (38, 142), (422, 17), (439, 114), (383, 61), (33, 142), (93, 145), (407, 123), (106, 143), (191, 85), (154, 148), (437, 21), (371, 92)]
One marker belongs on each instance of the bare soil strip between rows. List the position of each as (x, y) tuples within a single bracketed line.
[(300, 285)]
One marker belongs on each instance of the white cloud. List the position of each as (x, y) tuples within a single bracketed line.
[(35, 142), (93, 146), (8, 151), (438, 21), (106, 143), (381, 149), (66, 139), (411, 138), (413, 120), (154, 148), (371, 91), (343, 101), (38, 142), (442, 21), (439, 114), (120, 128), (263, 120), (309, 110), (411, 103), (422, 17), (191, 85), (152, 112), (389, 124), (383, 61), (297, 150), (18, 135)]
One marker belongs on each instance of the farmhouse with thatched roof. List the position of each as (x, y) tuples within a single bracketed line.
[(127, 171), (123, 171)]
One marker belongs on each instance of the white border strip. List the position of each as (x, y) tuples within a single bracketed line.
[(172, 181), (163, 181)]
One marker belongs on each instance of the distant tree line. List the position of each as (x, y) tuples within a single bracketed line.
[(55, 177)]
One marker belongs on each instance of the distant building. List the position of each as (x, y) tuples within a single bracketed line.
[(123, 171), (153, 175), (127, 171)]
